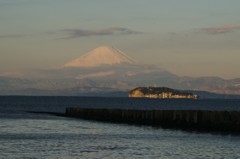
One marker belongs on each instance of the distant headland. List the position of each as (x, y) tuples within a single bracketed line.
[(160, 92)]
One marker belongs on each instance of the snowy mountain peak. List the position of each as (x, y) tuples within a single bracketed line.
[(104, 55)]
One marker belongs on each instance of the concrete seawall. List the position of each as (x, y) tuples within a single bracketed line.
[(183, 119)]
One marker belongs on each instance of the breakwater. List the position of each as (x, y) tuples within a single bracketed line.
[(202, 120)]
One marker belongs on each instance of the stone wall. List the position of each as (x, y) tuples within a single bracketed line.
[(184, 119)]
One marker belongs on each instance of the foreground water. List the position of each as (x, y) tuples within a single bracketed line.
[(27, 135)]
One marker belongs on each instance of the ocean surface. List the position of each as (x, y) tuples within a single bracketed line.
[(25, 135)]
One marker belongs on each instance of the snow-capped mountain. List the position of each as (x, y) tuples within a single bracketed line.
[(104, 55)]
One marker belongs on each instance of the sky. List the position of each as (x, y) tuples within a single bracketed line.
[(188, 37)]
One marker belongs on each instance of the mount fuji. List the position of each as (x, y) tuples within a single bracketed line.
[(104, 55), (106, 62)]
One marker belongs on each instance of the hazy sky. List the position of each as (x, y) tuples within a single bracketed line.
[(186, 37)]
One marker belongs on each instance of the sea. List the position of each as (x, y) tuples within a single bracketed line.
[(28, 135)]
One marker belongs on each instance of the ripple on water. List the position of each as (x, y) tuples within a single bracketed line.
[(71, 138)]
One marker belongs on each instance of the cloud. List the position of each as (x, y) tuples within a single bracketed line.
[(77, 33), (220, 30)]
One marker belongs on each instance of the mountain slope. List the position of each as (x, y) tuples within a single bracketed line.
[(103, 55)]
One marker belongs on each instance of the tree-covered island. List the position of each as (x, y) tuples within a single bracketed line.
[(160, 92)]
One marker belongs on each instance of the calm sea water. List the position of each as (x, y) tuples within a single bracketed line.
[(41, 136)]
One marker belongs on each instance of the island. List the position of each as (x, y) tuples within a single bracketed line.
[(160, 92)]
